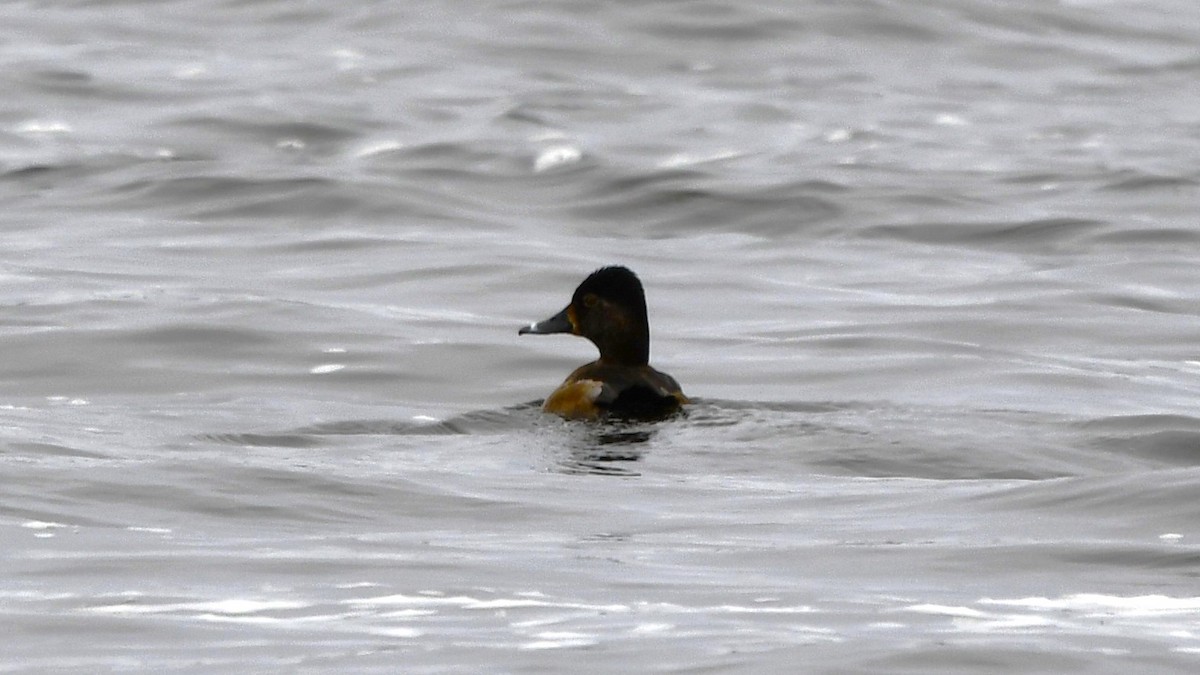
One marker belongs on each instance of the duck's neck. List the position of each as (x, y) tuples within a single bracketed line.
[(631, 348)]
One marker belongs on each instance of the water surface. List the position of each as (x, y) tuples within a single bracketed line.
[(928, 272)]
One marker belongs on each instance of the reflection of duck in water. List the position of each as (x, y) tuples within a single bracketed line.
[(609, 308)]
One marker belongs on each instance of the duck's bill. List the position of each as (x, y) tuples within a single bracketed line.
[(559, 323)]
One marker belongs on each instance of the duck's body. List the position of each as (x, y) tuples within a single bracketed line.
[(596, 390), (609, 308)]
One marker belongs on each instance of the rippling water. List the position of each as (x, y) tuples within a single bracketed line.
[(927, 269)]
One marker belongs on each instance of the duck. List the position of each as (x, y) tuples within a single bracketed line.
[(609, 309)]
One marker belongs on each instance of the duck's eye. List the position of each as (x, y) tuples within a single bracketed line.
[(590, 300)]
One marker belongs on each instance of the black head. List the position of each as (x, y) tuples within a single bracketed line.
[(617, 285), (608, 308)]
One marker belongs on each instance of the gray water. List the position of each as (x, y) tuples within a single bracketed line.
[(928, 270)]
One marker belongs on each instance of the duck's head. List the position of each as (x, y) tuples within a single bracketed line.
[(608, 308)]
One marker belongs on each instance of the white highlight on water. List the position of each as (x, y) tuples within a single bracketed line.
[(556, 156), (1098, 603), (41, 525), (43, 127), (230, 606), (378, 147), (949, 120), (837, 136), (559, 640)]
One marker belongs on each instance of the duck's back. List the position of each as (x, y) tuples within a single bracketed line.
[(636, 392)]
